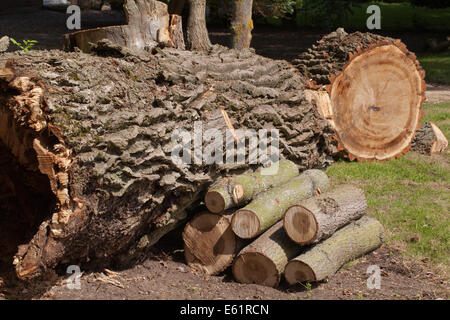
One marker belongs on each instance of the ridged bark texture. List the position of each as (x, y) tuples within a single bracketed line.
[(197, 32), (100, 129)]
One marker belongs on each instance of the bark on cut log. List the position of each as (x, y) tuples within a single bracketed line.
[(268, 207), (99, 130), (209, 243), (263, 261), (318, 218), (429, 140), (324, 259), (147, 27), (370, 88), (239, 190)]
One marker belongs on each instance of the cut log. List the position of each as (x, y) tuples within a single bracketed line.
[(268, 207), (318, 218), (176, 32), (324, 259), (375, 89), (147, 27), (100, 129), (263, 261), (209, 243), (429, 140), (239, 190)]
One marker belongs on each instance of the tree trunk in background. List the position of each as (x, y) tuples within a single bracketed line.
[(241, 24), (197, 32)]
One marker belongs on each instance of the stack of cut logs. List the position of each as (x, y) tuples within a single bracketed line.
[(266, 223)]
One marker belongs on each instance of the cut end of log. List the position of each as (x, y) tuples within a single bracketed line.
[(298, 272), (300, 224), (215, 202), (209, 243), (376, 103), (245, 224), (254, 267)]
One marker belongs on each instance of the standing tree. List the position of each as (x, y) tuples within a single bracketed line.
[(197, 33), (241, 24)]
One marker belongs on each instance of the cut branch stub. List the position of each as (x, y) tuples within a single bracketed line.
[(239, 190), (376, 89)]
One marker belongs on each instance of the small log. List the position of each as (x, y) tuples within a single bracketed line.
[(263, 261), (318, 218), (268, 207), (239, 190), (324, 259), (209, 243), (429, 140)]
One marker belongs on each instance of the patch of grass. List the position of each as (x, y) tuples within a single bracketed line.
[(437, 67), (410, 196)]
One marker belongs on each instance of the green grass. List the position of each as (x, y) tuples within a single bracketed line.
[(437, 67), (410, 196), (394, 16)]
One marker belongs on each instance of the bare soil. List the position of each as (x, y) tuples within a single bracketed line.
[(165, 275)]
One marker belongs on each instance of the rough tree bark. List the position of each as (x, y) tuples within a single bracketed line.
[(263, 261), (237, 191), (268, 207), (318, 218), (197, 32), (241, 24), (370, 88), (429, 140), (324, 259), (99, 131)]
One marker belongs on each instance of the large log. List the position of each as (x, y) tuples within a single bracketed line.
[(268, 207), (237, 191), (324, 259), (263, 261), (209, 243), (429, 140), (318, 218), (98, 131), (370, 88)]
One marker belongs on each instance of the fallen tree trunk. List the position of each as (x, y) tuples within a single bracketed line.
[(324, 259), (209, 243), (263, 261), (268, 207), (99, 130), (370, 88), (237, 191), (429, 140), (318, 218)]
